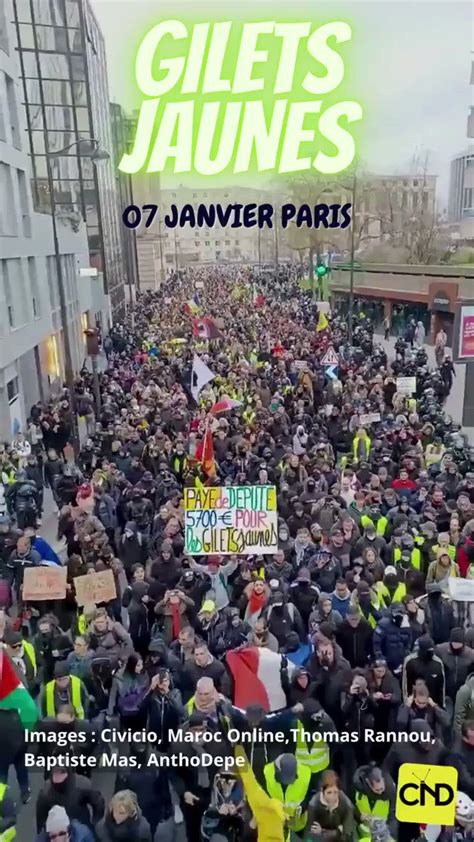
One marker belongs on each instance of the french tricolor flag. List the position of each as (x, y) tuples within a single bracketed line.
[(257, 678)]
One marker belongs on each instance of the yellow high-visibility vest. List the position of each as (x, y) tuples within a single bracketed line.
[(30, 651), (380, 808), (384, 593), (380, 527), (9, 834), (317, 758), (355, 446), (415, 557), (76, 700), (293, 796)]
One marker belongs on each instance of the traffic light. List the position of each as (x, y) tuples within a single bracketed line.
[(321, 270)]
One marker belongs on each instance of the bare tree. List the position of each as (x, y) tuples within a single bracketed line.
[(409, 221)]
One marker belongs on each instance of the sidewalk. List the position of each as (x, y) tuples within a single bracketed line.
[(454, 404)]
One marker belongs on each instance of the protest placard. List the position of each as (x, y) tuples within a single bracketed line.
[(222, 521), (406, 385), (369, 418), (462, 590), (41, 583), (95, 587)]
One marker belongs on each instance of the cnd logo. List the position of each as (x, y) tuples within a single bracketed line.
[(427, 794)]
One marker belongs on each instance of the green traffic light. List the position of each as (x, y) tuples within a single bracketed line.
[(321, 270)]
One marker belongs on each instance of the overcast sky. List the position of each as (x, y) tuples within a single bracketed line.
[(411, 66)]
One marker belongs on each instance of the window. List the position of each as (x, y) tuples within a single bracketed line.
[(3, 29), (33, 279), (415, 182), (468, 197), (196, 243), (13, 112), (25, 210), (8, 225), (227, 242), (195, 195), (8, 293), (207, 242), (217, 242), (12, 389)]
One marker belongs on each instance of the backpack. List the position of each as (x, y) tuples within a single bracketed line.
[(25, 500)]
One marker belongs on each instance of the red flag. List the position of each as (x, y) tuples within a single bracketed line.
[(205, 453)]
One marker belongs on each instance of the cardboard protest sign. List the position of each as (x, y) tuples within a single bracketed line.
[(41, 583), (95, 587), (406, 385), (223, 521)]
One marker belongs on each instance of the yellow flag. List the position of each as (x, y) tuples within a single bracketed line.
[(268, 812), (322, 322)]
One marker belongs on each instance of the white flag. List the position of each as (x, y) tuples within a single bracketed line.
[(200, 375)]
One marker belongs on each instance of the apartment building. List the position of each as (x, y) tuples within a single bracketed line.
[(31, 337)]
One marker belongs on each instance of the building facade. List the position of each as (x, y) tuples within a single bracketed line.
[(31, 340), (121, 139), (461, 181), (162, 249), (63, 65)]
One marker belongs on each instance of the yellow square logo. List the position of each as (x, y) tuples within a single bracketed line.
[(427, 794)]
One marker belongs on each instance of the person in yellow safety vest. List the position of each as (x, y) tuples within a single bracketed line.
[(312, 749), (361, 446), (444, 545), (64, 689), (442, 569), (376, 519), (23, 656), (434, 452), (7, 815), (368, 604), (390, 589), (408, 555), (288, 781), (375, 799)]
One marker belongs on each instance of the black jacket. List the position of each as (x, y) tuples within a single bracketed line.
[(356, 643), (78, 797), (151, 785)]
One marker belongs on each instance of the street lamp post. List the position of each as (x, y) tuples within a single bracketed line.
[(97, 154), (351, 276)]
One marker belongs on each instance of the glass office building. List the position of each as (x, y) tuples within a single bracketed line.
[(63, 66)]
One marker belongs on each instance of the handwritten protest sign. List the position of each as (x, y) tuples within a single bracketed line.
[(406, 385), (223, 521), (95, 587), (369, 418), (40, 583), (461, 590)]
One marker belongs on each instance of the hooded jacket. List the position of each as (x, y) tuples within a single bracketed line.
[(133, 550), (362, 788), (425, 665), (392, 641)]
